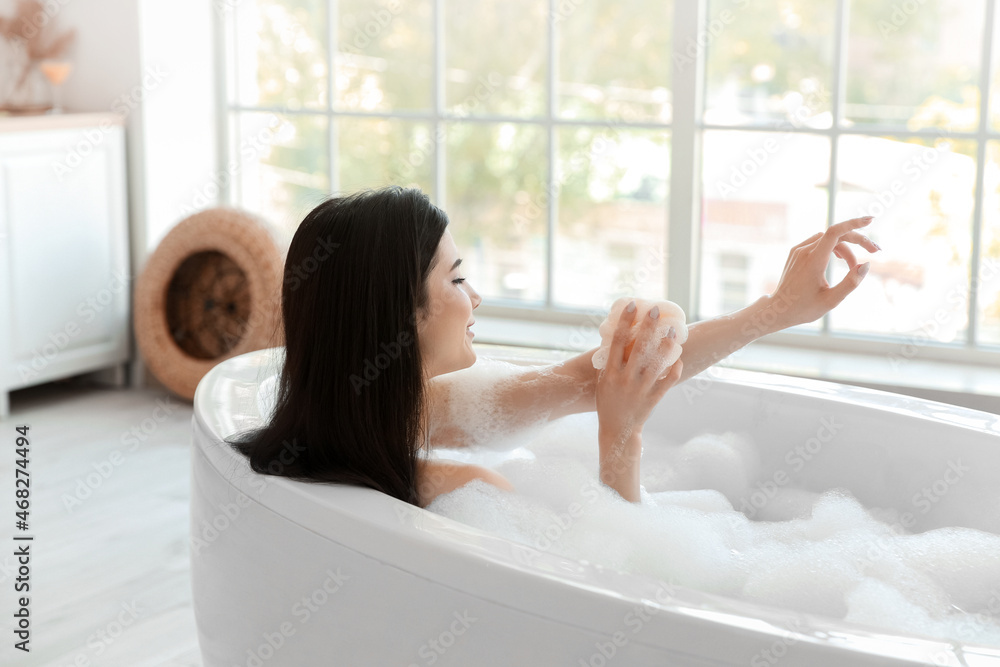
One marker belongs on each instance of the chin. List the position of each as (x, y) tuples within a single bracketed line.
[(470, 355), (469, 359)]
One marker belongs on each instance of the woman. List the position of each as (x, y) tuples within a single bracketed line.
[(381, 315)]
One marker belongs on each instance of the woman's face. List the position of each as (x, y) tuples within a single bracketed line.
[(443, 329)]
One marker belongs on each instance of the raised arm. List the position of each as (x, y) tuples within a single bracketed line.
[(802, 295)]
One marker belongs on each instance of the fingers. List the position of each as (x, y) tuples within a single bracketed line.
[(675, 373), (861, 240), (666, 353), (836, 239), (616, 354), (657, 351), (646, 341), (849, 283), (669, 380), (844, 252), (833, 235), (840, 235)]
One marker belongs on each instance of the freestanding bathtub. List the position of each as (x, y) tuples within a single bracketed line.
[(295, 574)]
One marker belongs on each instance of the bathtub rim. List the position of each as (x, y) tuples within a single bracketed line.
[(465, 546)]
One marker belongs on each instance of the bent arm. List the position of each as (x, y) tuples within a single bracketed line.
[(802, 295)]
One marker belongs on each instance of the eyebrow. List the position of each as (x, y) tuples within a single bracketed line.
[(457, 262)]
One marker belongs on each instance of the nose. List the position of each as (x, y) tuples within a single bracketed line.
[(476, 299)]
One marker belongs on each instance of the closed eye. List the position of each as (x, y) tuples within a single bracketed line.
[(458, 280)]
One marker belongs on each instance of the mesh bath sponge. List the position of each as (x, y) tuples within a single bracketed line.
[(671, 315)]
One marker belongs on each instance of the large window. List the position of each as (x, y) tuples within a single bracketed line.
[(819, 110), (590, 149)]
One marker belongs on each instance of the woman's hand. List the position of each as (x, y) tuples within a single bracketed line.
[(803, 294), (628, 391), (626, 394)]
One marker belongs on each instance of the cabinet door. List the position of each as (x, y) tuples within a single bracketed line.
[(66, 270)]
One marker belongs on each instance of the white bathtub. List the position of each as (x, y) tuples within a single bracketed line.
[(289, 573)]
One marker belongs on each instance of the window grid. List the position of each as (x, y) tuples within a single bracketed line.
[(683, 242), (333, 137), (839, 91), (876, 343), (985, 77), (686, 128), (553, 200)]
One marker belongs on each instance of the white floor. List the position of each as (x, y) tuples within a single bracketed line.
[(110, 575)]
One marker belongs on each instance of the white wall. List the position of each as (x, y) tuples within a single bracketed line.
[(176, 42), (150, 61)]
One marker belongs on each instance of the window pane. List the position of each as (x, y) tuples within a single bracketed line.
[(614, 59), (989, 259), (914, 64), (496, 180), (496, 56), (768, 61), (374, 152), (283, 166), (385, 55), (762, 193), (995, 84), (611, 238), (921, 194), (282, 53)]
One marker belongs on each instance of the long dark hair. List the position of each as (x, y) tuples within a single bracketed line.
[(350, 400)]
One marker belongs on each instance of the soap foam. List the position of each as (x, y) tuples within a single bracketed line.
[(826, 554)]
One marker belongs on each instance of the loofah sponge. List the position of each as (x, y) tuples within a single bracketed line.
[(671, 315)]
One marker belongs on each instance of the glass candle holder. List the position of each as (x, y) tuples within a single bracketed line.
[(56, 71)]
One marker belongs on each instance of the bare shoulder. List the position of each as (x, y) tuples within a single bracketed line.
[(437, 476)]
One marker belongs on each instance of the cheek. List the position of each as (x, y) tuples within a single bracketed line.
[(446, 304), (453, 301), (437, 302)]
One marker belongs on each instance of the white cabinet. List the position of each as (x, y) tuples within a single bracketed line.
[(65, 282)]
